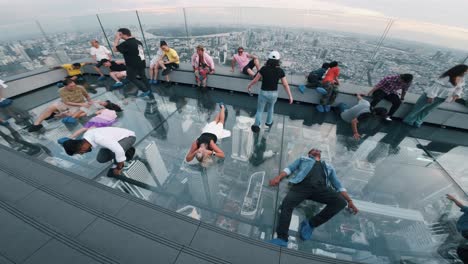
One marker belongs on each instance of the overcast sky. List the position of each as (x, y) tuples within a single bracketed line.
[(421, 19)]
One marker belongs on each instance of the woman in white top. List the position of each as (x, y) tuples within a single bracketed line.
[(447, 88)]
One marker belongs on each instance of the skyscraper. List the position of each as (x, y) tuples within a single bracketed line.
[(242, 139)]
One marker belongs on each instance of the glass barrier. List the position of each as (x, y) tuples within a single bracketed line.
[(168, 25), (24, 48), (111, 22), (422, 49), (71, 40)]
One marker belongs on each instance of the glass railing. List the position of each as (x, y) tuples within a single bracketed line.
[(397, 178)]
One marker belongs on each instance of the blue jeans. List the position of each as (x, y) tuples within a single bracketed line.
[(264, 98), (421, 109)]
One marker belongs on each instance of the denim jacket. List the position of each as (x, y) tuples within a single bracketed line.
[(302, 167)]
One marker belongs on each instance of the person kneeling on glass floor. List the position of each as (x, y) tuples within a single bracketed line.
[(204, 147), (313, 180), (117, 144)]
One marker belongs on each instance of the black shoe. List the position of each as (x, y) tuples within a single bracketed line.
[(269, 125), (110, 173), (35, 128), (168, 84), (166, 71), (130, 153), (51, 116), (255, 128)]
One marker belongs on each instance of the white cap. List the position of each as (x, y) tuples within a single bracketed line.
[(274, 55)]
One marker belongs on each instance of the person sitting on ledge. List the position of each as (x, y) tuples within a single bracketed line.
[(203, 65), (360, 112), (388, 89), (117, 71), (330, 83), (315, 180), (99, 52), (168, 66), (116, 144), (204, 147), (245, 61), (74, 72), (74, 103), (447, 88), (314, 79)]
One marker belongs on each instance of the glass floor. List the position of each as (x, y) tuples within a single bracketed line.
[(397, 176)]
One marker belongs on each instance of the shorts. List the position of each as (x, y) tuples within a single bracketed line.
[(123, 73), (172, 65), (154, 61), (214, 128), (61, 108), (250, 65)]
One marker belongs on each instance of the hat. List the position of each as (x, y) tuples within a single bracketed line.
[(274, 55)]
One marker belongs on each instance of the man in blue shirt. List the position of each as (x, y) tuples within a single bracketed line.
[(313, 180)]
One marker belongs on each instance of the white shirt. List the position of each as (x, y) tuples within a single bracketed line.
[(100, 53), (443, 88), (109, 137)]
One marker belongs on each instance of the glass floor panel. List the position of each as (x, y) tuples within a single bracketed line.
[(398, 177)]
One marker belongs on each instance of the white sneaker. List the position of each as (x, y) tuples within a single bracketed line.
[(388, 118)]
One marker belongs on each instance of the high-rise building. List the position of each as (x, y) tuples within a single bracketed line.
[(156, 163), (242, 139)]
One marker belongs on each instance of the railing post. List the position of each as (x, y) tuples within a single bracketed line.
[(143, 35)]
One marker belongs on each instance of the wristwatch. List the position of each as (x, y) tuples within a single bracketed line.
[(213, 153)]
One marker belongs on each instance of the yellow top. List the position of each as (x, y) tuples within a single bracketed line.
[(172, 55), (70, 70)]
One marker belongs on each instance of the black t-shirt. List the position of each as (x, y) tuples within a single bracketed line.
[(117, 67), (315, 179), (206, 139), (133, 52), (270, 77)]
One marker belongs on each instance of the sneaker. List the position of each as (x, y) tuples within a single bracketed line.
[(144, 94), (166, 71), (69, 120), (321, 91), (327, 108), (5, 102), (62, 140), (35, 128), (305, 230), (279, 242), (117, 85), (388, 118), (154, 82), (269, 125), (255, 128), (101, 78), (60, 84), (320, 108), (301, 88), (110, 173)]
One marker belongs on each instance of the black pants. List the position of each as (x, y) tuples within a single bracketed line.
[(333, 200), (142, 84), (105, 155), (378, 95)]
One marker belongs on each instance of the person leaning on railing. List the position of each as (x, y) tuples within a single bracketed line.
[(203, 65), (447, 88)]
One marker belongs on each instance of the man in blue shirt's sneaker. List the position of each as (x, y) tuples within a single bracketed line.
[(313, 180)]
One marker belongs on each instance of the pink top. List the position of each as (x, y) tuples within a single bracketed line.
[(108, 115), (206, 59), (242, 60)]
